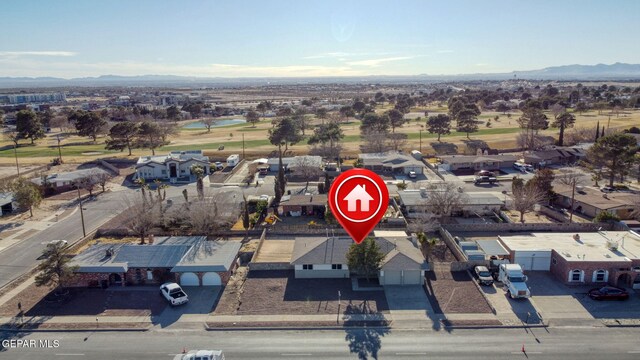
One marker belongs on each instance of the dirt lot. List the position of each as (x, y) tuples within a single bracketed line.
[(278, 292), (37, 301), (454, 292)]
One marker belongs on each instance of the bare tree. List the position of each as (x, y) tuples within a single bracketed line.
[(305, 167), (445, 199), (88, 183), (375, 142), (423, 222), (205, 218), (142, 216), (529, 140), (525, 197), (102, 178), (573, 180), (208, 123)]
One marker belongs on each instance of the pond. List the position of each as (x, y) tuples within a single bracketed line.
[(219, 123)]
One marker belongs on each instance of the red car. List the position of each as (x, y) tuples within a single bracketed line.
[(608, 293)]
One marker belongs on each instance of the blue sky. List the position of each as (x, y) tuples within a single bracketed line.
[(76, 38)]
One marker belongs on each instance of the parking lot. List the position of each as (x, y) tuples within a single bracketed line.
[(553, 300)]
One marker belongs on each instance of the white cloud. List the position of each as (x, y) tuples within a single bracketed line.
[(378, 62), (36, 53)]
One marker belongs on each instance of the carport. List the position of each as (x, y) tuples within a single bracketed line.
[(492, 248)]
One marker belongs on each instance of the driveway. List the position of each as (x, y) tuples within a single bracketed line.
[(407, 298), (506, 307), (201, 302)]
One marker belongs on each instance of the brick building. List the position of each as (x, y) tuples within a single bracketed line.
[(604, 257), (190, 261)]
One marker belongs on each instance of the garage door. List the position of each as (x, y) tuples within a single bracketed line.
[(392, 277), (211, 279), (189, 279), (412, 277), (533, 260)]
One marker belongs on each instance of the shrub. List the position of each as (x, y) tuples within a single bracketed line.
[(605, 216)]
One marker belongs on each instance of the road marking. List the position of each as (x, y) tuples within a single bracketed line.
[(69, 354), (295, 354), (412, 353)]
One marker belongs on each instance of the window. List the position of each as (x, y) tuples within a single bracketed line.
[(149, 275), (336, 266), (600, 276), (554, 261), (307, 267), (576, 275), (164, 172), (182, 171)]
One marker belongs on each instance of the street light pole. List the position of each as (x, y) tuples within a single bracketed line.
[(15, 150), (84, 231), (59, 150)]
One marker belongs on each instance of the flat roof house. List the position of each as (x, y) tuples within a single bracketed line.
[(60, 182), (476, 203), (477, 162), (176, 166), (7, 204), (603, 257), (188, 260), (391, 162), (591, 202), (300, 205), (325, 257), (290, 163)]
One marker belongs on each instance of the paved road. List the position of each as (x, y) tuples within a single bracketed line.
[(558, 343)]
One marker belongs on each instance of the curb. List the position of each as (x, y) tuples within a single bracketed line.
[(293, 328), (622, 325), (75, 330)]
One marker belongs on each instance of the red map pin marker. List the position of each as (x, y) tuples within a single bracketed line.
[(358, 199)]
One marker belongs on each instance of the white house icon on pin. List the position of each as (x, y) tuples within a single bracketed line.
[(358, 194)]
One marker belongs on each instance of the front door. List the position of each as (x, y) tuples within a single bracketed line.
[(173, 171)]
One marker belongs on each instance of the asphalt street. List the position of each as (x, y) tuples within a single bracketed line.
[(556, 343)]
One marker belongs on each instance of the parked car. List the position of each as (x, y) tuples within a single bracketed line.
[(201, 355), (173, 293), (485, 173), (484, 276), (608, 293), (484, 179), (412, 174), (219, 165), (53, 243), (264, 170), (607, 189)]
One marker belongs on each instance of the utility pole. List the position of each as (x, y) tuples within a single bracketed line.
[(15, 150), (59, 150), (242, 146), (420, 140), (84, 231)]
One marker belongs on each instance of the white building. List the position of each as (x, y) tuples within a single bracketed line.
[(175, 166)]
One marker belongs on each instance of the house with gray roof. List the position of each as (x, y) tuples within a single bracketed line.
[(391, 162), (325, 257), (414, 202), (290, 163), (477, 162), (7, 203), (188, 260), (59, 182)]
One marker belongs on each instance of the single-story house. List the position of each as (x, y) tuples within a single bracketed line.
[(325, 257), (554, 156), (187, 260), (590, 202), (176, 165), (290, 163), (596, 258), (391, 162), (297, 205), (60, 182), (476, 203), (477, 162), (7, 203)]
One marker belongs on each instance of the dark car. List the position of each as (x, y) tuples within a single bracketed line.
[(608, 293)]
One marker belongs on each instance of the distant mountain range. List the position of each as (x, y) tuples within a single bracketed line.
[(617, 71)]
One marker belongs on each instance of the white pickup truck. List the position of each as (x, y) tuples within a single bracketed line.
[(514, 280), (201, 355), (173, 293)]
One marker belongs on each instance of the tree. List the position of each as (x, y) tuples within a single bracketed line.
[(525, 197), (397, 141), (328, 137), (301, 121), (573, 180), (194, 109), (54, 271), (365, 258), (198, 172), (613, 152), (375, 123), (280, 183), (167, 128), (543, 180), (439, 124), (88, 183), (208, 123), (252, 117), (467, 122), (173, 113), (321, 113), (285, 133), (29, 126), (262, 108), (347, 112), (142, 216), (396, 119), (245, 216), (563, 121), (26, 194), (581, 107), (149, 136), (445, 199), (305, 168), (556, 110), (531, 122), (88, 123), (503, 108), (204, 216), (122, 136), (102, 178)]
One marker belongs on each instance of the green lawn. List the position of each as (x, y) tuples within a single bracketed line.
[(67, 150)]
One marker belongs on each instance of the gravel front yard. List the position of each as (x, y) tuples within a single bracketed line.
[(454, 292), (278, 292)]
